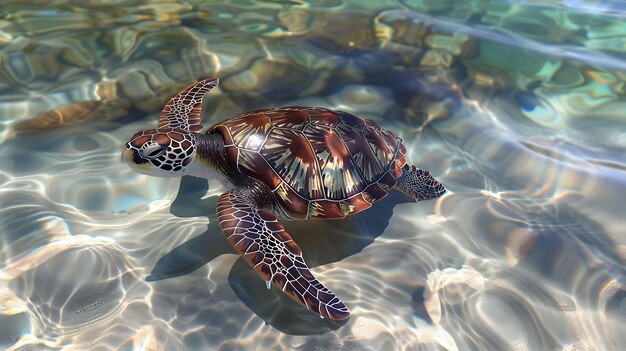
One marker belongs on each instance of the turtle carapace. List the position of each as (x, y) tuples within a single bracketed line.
[(292, 162)]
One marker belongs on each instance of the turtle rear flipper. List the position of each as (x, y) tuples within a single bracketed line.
[(266, 246), (419, 184)]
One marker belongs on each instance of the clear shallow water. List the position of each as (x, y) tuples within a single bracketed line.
[(518, 108)]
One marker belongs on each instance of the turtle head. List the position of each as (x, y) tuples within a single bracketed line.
[(160, 152)]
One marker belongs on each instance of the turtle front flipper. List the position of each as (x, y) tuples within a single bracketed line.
[(183, 110), (266, 246), (419, 184)]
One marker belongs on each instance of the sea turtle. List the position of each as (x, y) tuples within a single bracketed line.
[(292, 162)]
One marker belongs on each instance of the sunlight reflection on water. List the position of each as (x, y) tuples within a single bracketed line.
[(516, 107)]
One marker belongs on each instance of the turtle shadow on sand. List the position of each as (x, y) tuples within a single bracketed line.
[(322, 242)]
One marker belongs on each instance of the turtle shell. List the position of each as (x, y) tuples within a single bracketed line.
[(319, 163)]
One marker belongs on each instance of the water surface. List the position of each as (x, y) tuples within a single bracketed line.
[(517, 107)]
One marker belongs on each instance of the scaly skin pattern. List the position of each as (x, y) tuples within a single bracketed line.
[(169, 149), (166, 148), (300, 162), (266, 246), (183, 110), (419, 184), (319, 163)]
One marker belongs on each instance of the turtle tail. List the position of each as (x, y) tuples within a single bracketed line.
[(419, 184)]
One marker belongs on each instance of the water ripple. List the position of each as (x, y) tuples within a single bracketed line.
[(516, 107)]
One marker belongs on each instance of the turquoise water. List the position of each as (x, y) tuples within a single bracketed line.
[(517, 107)]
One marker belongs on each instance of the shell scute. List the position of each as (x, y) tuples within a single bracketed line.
[(255, 164), (224, 132), (402, 149), (351, 120), (288, 119), (294, 206), (318, 163), (357, 203), (372, 125), (340, 177), (390, 139), (396, 169), (373, 193), (379, 146), (361, 154), (387, 181), (289, 154), (296, 108), (326, 209), (258, 111), (323, 116), (250, 132)]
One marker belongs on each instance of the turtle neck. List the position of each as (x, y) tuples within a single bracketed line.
[(210, 158)]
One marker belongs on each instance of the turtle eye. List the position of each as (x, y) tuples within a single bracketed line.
[(152, 150)]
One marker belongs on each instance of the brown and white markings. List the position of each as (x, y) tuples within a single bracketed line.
[(151, 145), (319, 163), (183, 110), (297, 162), (268, 248)]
